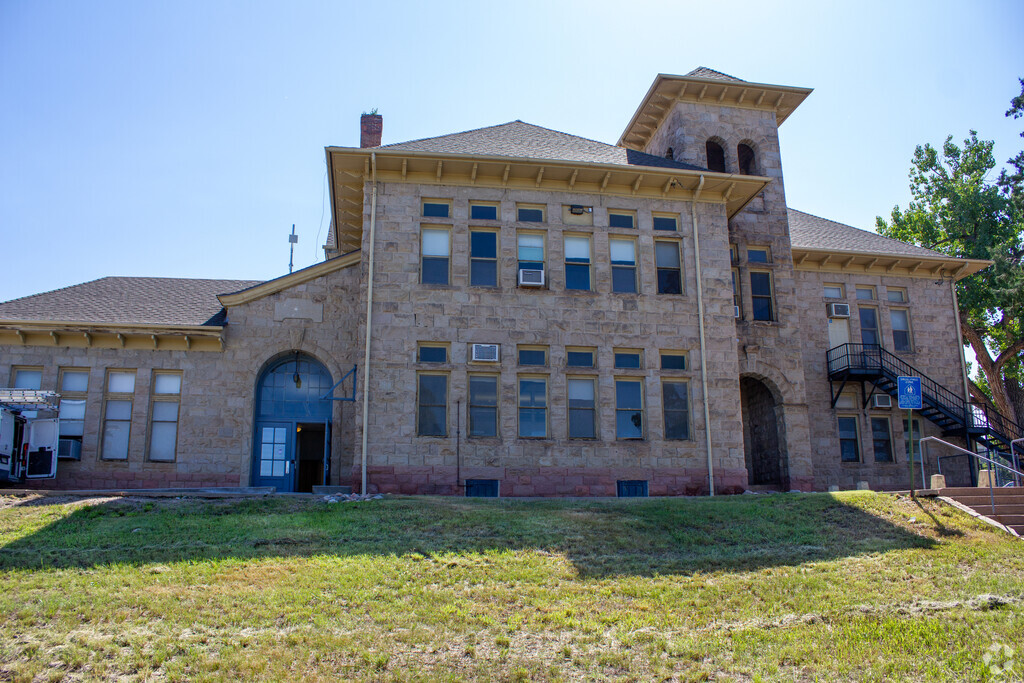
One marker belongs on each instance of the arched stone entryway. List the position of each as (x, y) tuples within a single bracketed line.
[(291, 446), (763, 443)]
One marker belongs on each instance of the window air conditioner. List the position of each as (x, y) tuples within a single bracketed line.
[(736, 311), (881, 401), (839, 310), (487, 353), (69, 448), (531, 277)]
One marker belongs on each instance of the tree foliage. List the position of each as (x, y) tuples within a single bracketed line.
[(957, 208)]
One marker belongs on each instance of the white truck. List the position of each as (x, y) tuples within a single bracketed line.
[(28, 443)]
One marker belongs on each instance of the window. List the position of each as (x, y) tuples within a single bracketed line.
[(623, 257), (531, 251), (917, 440), (737, 300), (868, 325), (745, 157), (433, 353), (734, 253), (759, 255), (436, 244), (846, 401), (896, 295), (576, 214), (579, 358), (482, 488), (673, 360), (74, 386), (670, 153), (666, 258), (629, 409), (761, 295), (834, 292), (849, 450), (582, 413), (627, 359), (675, 402), (533, 407), (437, 208), (432, 399), (865, 293), (117, 414), (483, 258), (665, 222), (483, 405), (28, 378), (530, 213), (533, 355), (577, 262), (881, 439), (483, 211), (621, 219), (900, 318), (163, 415), (716, 156)]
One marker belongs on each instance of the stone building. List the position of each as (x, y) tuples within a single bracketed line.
[(548, 315)]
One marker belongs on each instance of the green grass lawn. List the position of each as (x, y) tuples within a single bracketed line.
[(852, 586)]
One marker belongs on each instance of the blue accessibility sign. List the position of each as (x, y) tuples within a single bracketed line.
[(909, 392)]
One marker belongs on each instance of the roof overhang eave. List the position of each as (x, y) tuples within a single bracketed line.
[(100, 326), (956, 267), (749, 185), (800, 93)]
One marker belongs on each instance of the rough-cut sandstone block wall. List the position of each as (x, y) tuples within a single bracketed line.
[(406, 312), (935, 353), (767, 351), (215, 427)]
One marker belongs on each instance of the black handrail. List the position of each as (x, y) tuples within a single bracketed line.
[(872, 358)]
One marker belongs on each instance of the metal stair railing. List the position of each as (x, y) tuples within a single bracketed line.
[(1018, 476), (870, 358)]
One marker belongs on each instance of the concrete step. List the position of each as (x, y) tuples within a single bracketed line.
[(1009, 520), (956, 492)]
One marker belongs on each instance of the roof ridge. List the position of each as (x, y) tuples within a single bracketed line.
[(54, 291), (870, 232), (461, 132), (502, 125), (715, 71)]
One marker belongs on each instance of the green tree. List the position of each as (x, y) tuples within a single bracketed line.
[(960, 210)]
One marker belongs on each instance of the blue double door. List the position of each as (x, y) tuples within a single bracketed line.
[(291, 444), (292, 455)]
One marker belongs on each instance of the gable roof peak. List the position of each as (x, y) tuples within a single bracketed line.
[(705, 72)]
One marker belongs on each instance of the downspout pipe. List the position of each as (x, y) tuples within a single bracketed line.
[(963, 361), (369, 314), (703, 346)]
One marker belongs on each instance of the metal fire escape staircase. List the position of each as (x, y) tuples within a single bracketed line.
[(976, 423)]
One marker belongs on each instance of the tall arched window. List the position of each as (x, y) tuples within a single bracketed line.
[(670, 154), (716, 156), (745, 155)]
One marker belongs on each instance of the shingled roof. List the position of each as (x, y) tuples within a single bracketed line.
[(526, 141), (807, 231), (704, 72), (129, 301)]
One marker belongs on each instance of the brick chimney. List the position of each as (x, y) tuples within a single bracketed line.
[(370, 127)]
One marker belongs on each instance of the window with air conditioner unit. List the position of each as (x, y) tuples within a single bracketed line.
[(881, 401), (485, 353), (531, 277), (839, 310)]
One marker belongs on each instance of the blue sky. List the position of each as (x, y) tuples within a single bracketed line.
[(183, 139)]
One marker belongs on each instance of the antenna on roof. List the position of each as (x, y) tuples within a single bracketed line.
[(292, 239)]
